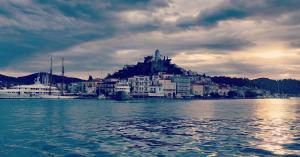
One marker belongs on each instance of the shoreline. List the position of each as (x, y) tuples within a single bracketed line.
[(161, 99)]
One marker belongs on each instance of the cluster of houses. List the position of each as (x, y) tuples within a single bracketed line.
[(161, 85), (175, 83)]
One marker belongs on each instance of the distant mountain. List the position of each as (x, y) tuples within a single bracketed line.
[(151, 65), (30, 79), (287, 86), (4, 78)]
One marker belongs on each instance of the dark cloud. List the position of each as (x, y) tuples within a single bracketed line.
[(124, 31), (42, 26), (228, 44), (239, 9)]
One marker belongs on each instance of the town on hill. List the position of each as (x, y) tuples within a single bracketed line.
[(158, 77)]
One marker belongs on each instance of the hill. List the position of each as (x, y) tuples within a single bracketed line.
[(151, 65), (30, 79), (287, 86), (154, 64), (4, 78)]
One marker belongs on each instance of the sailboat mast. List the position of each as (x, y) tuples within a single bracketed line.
[(50, 77), (63, 76)]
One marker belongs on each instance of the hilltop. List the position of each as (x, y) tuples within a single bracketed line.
[(151, 65)]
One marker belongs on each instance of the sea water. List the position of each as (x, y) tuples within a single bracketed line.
[(153, 127)]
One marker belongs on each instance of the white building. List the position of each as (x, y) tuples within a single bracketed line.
[(87, 87), (146, 86), (156, 91), (169, 88), (90, 87), (140, 85)]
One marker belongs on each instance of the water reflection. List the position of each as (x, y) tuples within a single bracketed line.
[(276, 120), (150, 128)]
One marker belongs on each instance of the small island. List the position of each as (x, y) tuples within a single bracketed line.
[(158, 77)]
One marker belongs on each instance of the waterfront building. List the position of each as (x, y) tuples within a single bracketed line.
[(83, 88), (90, 87), (140, 85), (107, 87), (224, 90), (74, 88), (183, 85), (155, 91), (148, 86), (197, 90), (169, 88)]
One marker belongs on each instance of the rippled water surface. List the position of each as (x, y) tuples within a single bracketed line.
[(75, 128)]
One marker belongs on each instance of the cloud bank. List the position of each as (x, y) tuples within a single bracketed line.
[(258, 38)]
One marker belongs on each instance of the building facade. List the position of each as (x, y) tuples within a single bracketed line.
[(140, 85), (107, 87), (169, 88), (183, 85), (197, 90)]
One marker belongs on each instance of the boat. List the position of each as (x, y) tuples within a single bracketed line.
[(122, 91), (34, 91), (102, 96), (122, 95), (37, 90)]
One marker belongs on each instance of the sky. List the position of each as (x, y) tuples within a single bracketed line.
[(238, 38)]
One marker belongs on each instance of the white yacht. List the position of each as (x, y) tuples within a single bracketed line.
[(37, 90), (34, 91)]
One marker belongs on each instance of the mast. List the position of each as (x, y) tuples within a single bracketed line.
[(277, 81), (63, 76), (50, 77)]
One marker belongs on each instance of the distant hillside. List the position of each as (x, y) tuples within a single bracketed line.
[(150, 66), (4, 78), (287, 86), (29, 79)]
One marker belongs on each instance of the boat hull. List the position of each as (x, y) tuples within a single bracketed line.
[(28, 96), (122, 95)]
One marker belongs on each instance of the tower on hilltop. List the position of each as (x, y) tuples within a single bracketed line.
[(157, 55)]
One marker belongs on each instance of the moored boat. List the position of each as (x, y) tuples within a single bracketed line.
[(34, 91), (37, 90), (122, 95)]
